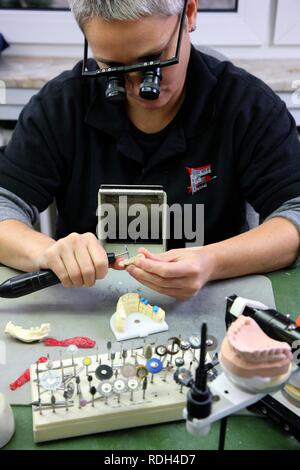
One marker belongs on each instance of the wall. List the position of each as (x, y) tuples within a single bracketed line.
[(260, 29)]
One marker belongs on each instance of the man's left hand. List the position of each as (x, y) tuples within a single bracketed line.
[(179, 273)]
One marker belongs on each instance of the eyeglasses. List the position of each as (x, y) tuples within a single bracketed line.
[(139, 67)]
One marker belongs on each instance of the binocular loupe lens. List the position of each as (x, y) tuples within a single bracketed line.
[(150, 86), (115, 91)]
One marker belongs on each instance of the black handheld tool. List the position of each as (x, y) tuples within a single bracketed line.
[(275, 324), (27, 283), (199, 398)]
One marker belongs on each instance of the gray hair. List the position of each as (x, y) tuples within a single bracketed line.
[(130, 10)]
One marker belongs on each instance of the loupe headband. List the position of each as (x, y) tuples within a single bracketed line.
[(139, 67)]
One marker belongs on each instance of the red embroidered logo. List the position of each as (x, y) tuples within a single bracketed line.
[(200, 177)]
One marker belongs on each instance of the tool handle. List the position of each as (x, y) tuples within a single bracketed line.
[(27, 283), (111, 257)]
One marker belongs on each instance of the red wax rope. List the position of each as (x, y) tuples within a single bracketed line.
[(25, 377), (82, 342)]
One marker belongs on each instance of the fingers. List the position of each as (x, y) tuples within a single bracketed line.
[(178, 288), (171, 255), (176, 293), (72, 267), (76, 259), (61, 272), (97, 255), (176, 273), (148, 254), (86, 265), (173, 263), (165, 269), (144, 276)]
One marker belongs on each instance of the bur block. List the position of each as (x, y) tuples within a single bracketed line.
[(164, 400)]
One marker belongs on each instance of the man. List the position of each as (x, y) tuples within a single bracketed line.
[(210, 115)]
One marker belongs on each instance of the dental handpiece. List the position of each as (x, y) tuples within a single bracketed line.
[(27, 283)]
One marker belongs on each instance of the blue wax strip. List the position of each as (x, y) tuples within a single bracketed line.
[(142, 299), (155, 309)]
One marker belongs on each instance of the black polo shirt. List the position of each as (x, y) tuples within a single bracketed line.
[(232, 141)]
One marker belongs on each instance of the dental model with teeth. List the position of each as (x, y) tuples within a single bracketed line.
[(27, 335), (126, 262), (253, 360), (133, 303)]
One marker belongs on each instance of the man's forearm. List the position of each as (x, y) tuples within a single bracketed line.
[(271, 246), (20, 245)]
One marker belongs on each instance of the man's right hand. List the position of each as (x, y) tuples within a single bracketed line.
[(77, 260)]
